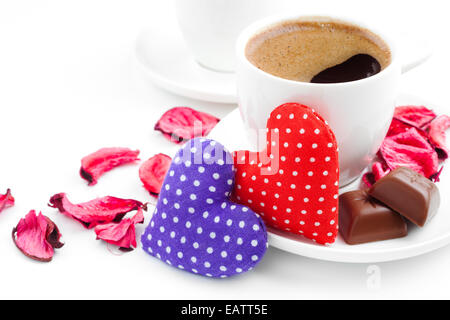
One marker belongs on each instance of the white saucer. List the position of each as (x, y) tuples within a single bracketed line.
[(168, 63), (436, 234)]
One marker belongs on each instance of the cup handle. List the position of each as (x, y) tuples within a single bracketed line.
[(414, 51)]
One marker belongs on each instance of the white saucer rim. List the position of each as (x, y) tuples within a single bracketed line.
[(174, 87)]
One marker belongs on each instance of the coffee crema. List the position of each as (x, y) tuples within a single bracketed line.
[(326, 52)]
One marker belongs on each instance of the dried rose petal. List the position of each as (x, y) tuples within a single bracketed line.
[(153, 171), (97, 211), (182, 123), (6, 200), (436, 134), (416, 116), (379, 170), (37, 237), (410, 149), (103, 160), (121, 234)]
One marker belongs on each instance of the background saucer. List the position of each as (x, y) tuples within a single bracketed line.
[(230, 132), (167, 62)]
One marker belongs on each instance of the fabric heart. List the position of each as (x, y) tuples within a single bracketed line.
[(294, 184), (195, 226)]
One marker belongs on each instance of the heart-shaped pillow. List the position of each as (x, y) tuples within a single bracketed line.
[(195, 226), (294, 184)]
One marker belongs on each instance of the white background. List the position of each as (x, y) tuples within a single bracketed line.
[(69, 85)]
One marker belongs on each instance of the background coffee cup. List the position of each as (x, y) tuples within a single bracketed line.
[(359, 112), (211, 27)]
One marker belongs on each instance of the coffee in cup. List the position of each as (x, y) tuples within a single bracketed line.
[(318, 51)]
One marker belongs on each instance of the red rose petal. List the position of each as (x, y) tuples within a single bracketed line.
[(437, 137), (153, 171), (6, 200), (103, 160), (182, 123), (97, 211), (416, 116), (121, 234), (37, 237), (410, 149)]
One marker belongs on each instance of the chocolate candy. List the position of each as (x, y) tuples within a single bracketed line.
[(412, 195), (363, 219)]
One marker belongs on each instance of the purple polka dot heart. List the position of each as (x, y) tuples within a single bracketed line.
[(195, 226)]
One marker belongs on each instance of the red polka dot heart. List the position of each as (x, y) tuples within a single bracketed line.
[(294, 184)]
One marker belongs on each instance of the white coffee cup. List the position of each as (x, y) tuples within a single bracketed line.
[(359, 112), (211, 27)]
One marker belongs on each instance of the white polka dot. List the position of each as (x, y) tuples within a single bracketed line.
[(175, 219), (239, 241), (308, 187), (332, 222), (314, 146), (230, 182), (223, 268), (179, 192), (161, 229), (193, 196), (279, 116), (295, 173), (212, 189), (168, 249), (293, 186), (317, 224), (312, 160), (226, 239), (212, 235), (194, 259), (297, 160), (255, 227), (180, 254), (188, 224), (325, 173), (199, 230), (207, 264), (254, 243), (201, 169), (241, 224), (182, 177), (171, 173), (330, 145), (321, 199), (216, 176), (229, 222), (306, 200), (224, 254), (183, 239), (217, 219), (210, 250), (255, 258)]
